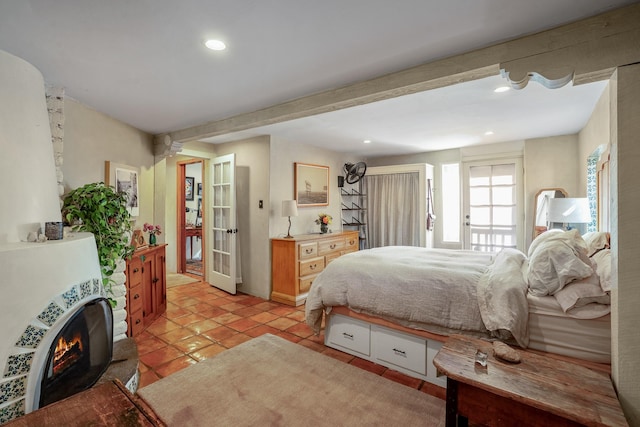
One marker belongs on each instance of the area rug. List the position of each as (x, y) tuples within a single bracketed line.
[(269, 381), (175, 279)]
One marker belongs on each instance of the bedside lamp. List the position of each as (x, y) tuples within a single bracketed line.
[(289, 208), (569, 211)]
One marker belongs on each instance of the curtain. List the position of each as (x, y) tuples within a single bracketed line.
[(392, 209)]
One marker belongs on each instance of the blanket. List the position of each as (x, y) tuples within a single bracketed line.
[(429, 289)]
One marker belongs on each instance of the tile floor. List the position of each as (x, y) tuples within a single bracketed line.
[(202, 321)]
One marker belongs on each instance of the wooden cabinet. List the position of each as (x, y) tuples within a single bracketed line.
[(146, 288), (296, 262)]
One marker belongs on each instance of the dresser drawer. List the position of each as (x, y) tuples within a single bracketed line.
[(311, 266), (400, 350), (351, 244), (331, 257), (135, 272), (350, 334), (136, 323), (134, 298), (330, 245), (307, 250), (305, 283)]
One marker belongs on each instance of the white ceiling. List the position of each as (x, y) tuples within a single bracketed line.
[(143, 62)]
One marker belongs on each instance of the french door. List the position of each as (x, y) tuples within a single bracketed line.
[(223, 232), (493, 205)]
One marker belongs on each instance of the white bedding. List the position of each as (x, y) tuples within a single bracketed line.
[(436, 290)]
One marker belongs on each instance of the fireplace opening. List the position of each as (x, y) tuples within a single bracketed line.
[(80, 353)]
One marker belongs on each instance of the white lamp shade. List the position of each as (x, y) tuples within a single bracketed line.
[(569, 210), (289, 208)]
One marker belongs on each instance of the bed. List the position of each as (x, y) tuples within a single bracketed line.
[(554, 299)]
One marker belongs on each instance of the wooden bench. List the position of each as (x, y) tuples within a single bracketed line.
[(538, 391)]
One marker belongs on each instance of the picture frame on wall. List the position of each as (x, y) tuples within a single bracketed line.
[(199, 207), (311, 184), (199, 189), (124, 178), (189, 188)]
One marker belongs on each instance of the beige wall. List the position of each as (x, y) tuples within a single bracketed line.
[(91, 138)]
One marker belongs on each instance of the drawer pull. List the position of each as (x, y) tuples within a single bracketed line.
[(352, 242), (136, 296), (308, 250), (135, 270), (137, 321), (313, 267), (346, 335), (332, 246), (400, 352)]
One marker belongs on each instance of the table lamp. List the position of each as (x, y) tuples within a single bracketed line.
[(568, 211), (289, 208)]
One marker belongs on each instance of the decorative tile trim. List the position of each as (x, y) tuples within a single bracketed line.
[(71, 297), (51, 314), (31, 337), (12, 411), (18, 364), (13, 389)]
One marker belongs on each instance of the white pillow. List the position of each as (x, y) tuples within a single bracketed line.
[(596, 240), (602, 260), (554, 233), (557, 260), (582, 292)]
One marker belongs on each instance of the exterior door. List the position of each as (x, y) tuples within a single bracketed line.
[(493, 213), (221, 262)]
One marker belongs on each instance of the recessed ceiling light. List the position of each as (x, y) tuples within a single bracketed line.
[(367, 141), (501, 89), (488, 133), (215, 45)]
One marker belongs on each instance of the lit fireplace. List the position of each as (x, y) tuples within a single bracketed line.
[(66, 354)]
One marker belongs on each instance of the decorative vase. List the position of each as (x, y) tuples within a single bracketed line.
[(152, 239), (324, 228)]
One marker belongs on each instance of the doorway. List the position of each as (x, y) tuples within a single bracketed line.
[(190, 198)]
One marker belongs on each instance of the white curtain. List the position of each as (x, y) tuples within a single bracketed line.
[(392, 209)]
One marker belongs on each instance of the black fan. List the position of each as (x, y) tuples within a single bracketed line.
[(353, 172)]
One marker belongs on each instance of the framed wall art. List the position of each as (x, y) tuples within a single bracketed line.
[(189, 185), (311, 185), (124, 178)]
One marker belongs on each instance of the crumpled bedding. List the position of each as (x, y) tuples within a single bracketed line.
[(436, 290)]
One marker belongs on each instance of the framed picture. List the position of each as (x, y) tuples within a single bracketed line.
[(189, 188), (199, 207), (124, 178), (137, 240), (199, 189), (311, 185)]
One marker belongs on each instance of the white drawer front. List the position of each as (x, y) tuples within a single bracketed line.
[(350, 334), (400, 350)]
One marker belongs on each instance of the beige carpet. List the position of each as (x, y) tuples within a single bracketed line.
[(175, 279), (270, 381)]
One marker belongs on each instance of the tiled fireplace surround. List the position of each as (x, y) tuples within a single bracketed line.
[(42, 284)]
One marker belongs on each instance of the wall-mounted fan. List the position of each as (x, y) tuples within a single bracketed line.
[(354, 172)]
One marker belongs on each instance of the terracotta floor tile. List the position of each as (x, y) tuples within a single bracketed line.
[(264, 317), (148, 378), (220, 334), (261, 330), (368, 366), (191, 344), (338, 355), (175, 311), (207, 352), (282, 323), (203, 325), (226, 318), (188, 319), (242, 325), (160, 356), (251, 300), (175, 366), (212, 312), (232, 306), (283, 310), (300, 330), (312, 345), (296, 315), (247, 311), (267, 305), (176, 335), (150, 344), (235, 340), (162, 326), (289, 337)]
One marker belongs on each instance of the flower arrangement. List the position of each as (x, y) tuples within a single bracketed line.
[(152, 229), (324, 219)]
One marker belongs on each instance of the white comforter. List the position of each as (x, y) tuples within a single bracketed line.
[(436, 290)]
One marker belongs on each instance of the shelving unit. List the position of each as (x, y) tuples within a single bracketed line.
[(354, 212)]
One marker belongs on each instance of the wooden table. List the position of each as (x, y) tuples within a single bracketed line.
[(192, 232), (539, 391), (108, 404)]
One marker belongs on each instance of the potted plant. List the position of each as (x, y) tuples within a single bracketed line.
[(100, 209)]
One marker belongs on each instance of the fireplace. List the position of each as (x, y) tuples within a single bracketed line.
[(79, 354)]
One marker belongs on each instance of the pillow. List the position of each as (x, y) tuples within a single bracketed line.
[(596, 241), (582, 292), (549, 234), (602, 261), (557, 260)]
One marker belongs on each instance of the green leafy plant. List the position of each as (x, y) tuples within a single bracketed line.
[(100, 209)]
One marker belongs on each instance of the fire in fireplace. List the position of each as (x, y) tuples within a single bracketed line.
[(80, 353)]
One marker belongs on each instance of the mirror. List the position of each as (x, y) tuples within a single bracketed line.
[(540, 205)]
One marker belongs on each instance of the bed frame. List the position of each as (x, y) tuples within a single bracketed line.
[(403, 349)]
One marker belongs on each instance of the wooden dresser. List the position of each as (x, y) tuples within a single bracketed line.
[(146, 288), (296, 262)]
